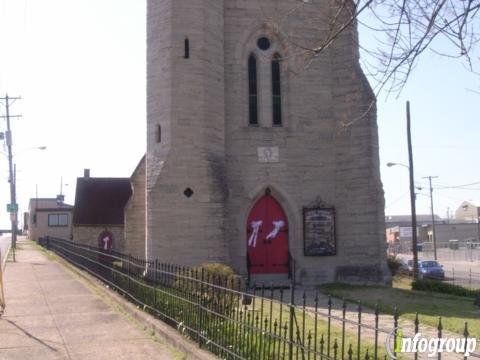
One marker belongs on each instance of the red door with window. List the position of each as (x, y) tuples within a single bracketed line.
[(267, 237)]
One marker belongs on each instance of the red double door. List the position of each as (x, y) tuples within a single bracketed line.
[(267, 237)]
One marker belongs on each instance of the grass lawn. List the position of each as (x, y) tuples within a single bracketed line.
[(454, 310)]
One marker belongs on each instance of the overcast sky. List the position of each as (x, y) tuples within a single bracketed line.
[(79, 66)]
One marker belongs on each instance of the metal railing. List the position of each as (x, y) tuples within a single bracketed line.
[(225, 316), (463, 277)]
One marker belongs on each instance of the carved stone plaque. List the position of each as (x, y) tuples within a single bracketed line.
[(268, 154)]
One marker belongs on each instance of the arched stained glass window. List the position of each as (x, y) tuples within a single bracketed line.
[(276, 91), (252, 90)]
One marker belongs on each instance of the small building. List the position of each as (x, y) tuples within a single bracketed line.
[(406, 220), (49, 217), (399, 231), (461, 231), (98, 216), (468, 211)]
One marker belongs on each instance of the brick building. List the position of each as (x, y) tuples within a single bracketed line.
[(98, 215)]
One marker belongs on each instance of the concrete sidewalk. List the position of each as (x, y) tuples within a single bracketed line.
[(51, 314)]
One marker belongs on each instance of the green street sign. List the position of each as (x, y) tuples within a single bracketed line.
[(12, 208)]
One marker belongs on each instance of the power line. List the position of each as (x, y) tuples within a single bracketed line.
[(397, 199), (457, 186)]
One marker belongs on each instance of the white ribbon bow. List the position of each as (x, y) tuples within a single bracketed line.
[(277, 226), (255, 229), (106, 240)]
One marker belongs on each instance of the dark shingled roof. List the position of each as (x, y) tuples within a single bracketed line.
[(100, 201)]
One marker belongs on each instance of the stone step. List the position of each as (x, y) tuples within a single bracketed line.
[(269, 280)]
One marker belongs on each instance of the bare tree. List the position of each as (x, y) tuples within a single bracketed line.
[(397, 33)]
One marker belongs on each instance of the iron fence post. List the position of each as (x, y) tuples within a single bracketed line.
[(329, 323), (128, 272), (315, 331), (395, 331), (359, 329), (201, 305), (440, 328), (466, 334), (155, 284), (292, 314), (377, 314), (417, 323)]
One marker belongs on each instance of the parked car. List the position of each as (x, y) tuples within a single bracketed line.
[(430, 269), (426, 269)]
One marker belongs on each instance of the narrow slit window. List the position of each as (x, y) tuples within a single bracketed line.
[(276, 91), (159, 134), (187, 48), (252, 90)]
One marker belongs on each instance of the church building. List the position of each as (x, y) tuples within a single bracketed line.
[(254, 158)]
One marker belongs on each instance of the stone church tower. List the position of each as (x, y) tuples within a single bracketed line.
[(248, 162)]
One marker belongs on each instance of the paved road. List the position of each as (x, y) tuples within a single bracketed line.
[(4, 243), (459, 272)]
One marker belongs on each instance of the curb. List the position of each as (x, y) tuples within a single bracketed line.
[(5, 257), (160, 329)]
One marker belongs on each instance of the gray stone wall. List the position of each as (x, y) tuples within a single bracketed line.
[(134, 243), (358, 187), (185, 98), (201, 104), (318, 158), (88, 235)]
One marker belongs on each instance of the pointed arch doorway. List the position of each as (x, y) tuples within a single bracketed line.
[(267, 237)]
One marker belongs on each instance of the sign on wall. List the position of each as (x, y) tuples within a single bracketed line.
[(269, 154), (319, 231), (406, 232)]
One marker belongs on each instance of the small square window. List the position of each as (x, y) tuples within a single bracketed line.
[(55, 220)]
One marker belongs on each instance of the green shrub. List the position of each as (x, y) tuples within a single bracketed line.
[(442, 287), (216, 274), (394, 264), (216, 277)]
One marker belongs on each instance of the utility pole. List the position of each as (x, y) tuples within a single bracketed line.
[(412, 197), (11, 179), (434, 237), (478, 225)]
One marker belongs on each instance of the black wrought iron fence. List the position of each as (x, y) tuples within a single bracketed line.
[(233, 321)]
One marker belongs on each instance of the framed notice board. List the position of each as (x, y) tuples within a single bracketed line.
[(319, 231)]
